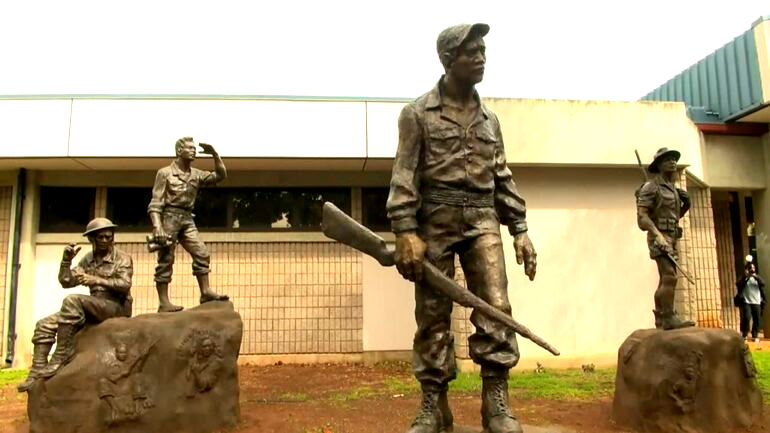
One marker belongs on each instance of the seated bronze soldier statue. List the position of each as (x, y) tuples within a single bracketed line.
[(107, 272)]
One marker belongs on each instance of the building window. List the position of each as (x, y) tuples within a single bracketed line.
[(288, 209), (373, 202), (127, 207), (66, 209), (235, 209)]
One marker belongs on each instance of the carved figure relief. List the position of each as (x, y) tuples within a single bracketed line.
[(685, 388), (203, 351), (123, 389)]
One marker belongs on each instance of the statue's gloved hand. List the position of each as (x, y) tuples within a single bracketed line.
[(410, 252), (525, 253), (70, 251)]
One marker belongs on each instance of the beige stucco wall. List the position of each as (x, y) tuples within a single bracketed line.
[(388, 308), (761, 200), (537, 132), (762, 38), (734, 162), (602, 133)]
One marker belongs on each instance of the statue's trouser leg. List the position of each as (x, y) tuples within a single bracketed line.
[(165, 267), (433, 355), (493, 345), (665, 315), (43, 339), (75, 311), (189, 238)]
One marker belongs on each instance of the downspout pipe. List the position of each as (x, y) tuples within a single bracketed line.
[(21, 185)]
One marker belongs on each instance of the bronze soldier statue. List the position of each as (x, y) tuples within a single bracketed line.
[(660, 205), (450, 190), (173, 199), (107, 272)]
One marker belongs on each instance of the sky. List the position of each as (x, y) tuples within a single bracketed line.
[(596, 50)]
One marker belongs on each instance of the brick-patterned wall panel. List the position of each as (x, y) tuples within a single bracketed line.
[(292, 297), (726, 260), (698, 255), (6, 198)]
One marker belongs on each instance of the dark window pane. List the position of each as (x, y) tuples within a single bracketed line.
[(211, 208), (373, 202), (127, 207), (65, 209), (284, 209)]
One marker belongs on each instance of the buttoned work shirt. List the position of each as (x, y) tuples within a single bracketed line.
[(666, 204), (176, 188), (436, 152), (116, 268)]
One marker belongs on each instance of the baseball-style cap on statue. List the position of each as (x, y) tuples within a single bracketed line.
[(454, 36)]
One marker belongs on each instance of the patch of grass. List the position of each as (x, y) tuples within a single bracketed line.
[(555, 384), (762, 362), (12, 377), (563, 384), (396, 385), (293, 397), (353, 394)]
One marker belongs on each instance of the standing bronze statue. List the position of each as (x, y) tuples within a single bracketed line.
[(107, 272), (660, 205), (450, 190), (173, 199)]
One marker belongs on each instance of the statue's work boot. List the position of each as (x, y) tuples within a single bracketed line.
[(39, 361), (667, 319), (65, 350), (428, 419), (496, 415)]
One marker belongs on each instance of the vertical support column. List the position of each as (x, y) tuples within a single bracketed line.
[(761, 199), (100, 202), (356, 204), (700, 301), (25, 312)]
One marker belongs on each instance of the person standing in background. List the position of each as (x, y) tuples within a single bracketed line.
[(751, 300)]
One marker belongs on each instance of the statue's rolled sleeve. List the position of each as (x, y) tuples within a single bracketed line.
[(647, 196), (208, 178), (157, 202), (66, 279), (509, 204), (404, 198)]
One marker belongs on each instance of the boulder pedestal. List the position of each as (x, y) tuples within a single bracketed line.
[(169, 372), (686, 380)]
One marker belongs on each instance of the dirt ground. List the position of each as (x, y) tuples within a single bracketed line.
[(359, 399)]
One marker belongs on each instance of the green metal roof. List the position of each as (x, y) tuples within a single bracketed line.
[(724, 86)]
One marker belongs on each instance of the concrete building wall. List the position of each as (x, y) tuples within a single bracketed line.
[(255, 132), (734, 162), (6, 217), (762, 38), (599, 133), (761, 199)]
